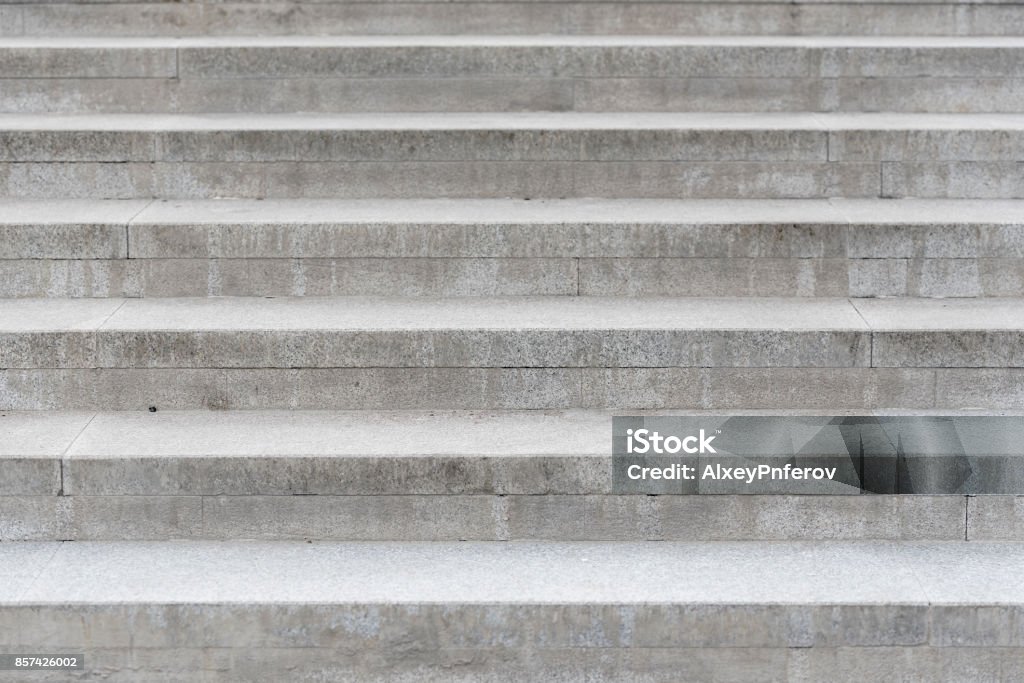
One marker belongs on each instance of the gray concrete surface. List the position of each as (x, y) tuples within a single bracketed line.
[(697, 155), (452, 518), (488, 17)]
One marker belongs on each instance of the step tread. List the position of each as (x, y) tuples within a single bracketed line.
[(525, 121), (570, 211), (869, 574), (243, 212), (341, 434), (556, 314), (306, 433)]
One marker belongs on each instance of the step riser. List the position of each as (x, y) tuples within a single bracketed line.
[(463, 643), (467, 665), (399, 163), (512, 18), (419, 477), (427, 630), (933, 277), (588, 347), (510, 78), (292, 277), (613, 348), (505, 518), (496, 59), (486, 179), (495, 388), (594, 141), (271, 96)]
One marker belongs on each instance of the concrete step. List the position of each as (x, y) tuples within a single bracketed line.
[(485, 353), (514, 611), (782, 155), (859, 248), (703, 17), (495, 73), (528, 332), (426, 476)]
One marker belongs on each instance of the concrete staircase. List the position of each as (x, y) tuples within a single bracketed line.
[(314, 317)]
